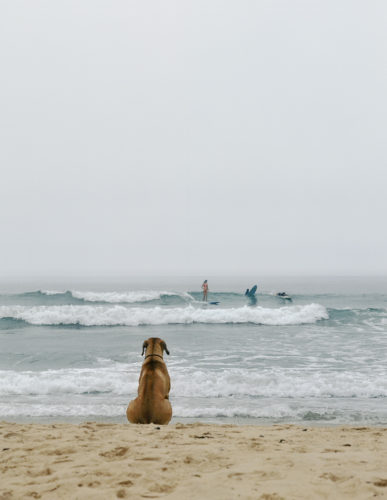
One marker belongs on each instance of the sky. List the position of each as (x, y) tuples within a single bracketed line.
[(193, 137)]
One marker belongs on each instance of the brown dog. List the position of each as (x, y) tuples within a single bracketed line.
[(152, 404)]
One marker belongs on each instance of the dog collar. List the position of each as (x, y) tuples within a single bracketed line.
[(148, 355)]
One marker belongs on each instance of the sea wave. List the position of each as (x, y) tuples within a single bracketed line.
[(122, 379), (80, 296), (81, 411), (67, 381), (134, 316), (113, 410), (129, 297), (304, 411)]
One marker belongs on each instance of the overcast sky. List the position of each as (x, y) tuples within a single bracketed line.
[(193, 137)]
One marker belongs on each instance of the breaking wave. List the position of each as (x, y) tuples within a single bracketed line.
[(130, 297), (122, 379), (133, 316)]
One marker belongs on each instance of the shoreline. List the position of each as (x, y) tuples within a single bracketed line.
[(216, 421), (195, 460)]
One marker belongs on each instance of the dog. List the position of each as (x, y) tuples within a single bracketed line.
[(152, 404)]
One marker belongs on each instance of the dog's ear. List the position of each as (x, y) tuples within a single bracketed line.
[(144, 346), (164, 347)]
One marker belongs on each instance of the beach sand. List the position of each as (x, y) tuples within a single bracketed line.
[(198, 461)]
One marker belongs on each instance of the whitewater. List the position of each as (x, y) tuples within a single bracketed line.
[(119, 315), (70, 354)]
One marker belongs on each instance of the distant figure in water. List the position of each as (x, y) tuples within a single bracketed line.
[(205, 290), (251, 293), (284, 295)]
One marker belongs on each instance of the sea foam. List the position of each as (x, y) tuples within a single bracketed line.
[(122, 380), (132, 316), (129, 297)]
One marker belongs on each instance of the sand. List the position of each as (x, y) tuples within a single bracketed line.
[(198, 461)]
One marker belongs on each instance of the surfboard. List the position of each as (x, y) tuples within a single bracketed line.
[(214, 303), (251, 292), (285, 297)]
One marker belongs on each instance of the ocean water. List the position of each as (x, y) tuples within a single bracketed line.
[(71, 351)]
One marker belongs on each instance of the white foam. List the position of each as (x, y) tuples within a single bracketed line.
[(129, 297), (68, 381), (61, 410), (235, 410), (121, 315), (106, 409), (268, 411), (282, 383), (125, 297), (122, 379)]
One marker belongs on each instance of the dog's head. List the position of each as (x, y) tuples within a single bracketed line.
[(154, 345)]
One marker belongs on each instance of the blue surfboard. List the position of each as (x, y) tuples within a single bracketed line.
[(251, 293)]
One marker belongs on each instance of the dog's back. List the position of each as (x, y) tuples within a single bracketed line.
[(152, 403)]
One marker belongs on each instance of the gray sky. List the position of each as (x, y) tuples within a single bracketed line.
[(194, 137)]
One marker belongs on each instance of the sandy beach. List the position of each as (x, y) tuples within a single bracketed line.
[(102, 461)]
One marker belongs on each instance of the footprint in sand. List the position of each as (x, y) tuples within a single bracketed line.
[(162, 488), (118, 452), (93, 484), (334, 478), (382, 483), (236, 475), (128, 482), (6, 495), (44, 472), (59, 452)]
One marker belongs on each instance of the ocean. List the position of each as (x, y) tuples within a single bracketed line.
[(71, 351)]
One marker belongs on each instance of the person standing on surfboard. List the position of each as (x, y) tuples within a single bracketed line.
[(205, 290)]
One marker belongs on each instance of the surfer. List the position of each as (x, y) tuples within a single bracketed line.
[(284, 295), (251, 293), (205, 290)]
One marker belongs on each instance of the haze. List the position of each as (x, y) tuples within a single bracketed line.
[(193, 137)]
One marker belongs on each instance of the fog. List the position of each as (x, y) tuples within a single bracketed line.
[(156, 138)]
